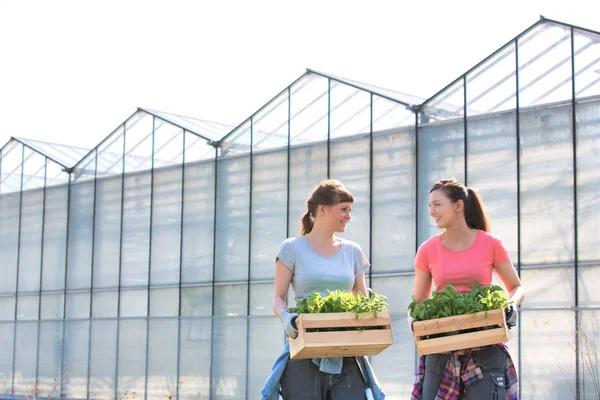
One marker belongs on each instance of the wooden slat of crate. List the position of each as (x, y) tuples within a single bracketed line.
[(341, 343), (459, 341)]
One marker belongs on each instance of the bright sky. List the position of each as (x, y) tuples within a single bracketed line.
[(72, 71)]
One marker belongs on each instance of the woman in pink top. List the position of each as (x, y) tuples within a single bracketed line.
[(464, 253)]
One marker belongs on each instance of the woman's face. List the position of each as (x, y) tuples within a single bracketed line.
[(442, 209), (337, 216)]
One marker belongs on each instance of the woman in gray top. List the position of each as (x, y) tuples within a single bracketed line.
[(320, 261)]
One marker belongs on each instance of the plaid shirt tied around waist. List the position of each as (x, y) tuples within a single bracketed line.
[(468, 372)]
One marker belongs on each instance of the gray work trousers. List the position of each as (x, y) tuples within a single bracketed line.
[(303, 380), (491, 361)]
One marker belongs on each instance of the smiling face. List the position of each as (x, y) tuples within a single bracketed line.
[(443, 210), (336, 217)]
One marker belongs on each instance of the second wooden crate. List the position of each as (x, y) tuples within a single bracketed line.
[(341, 335), (460, 332)]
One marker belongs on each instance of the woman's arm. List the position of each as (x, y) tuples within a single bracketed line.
[(422, 288), (359, 285), (283, 277), (510, 278)]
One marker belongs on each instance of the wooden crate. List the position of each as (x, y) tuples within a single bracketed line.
[(456, 333), (314, 342)]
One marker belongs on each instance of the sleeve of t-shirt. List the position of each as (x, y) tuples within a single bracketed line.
[(287, 255), (500, 252), (422, 259), (361, 263)]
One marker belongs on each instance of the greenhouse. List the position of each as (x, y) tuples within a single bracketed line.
[(144, 267)]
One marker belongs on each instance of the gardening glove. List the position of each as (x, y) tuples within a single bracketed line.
[(289, 322), (410, 321), (511, 316)]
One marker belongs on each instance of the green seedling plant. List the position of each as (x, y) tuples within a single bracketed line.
[(339, 301), (448, 302)]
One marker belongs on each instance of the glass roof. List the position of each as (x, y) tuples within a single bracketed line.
[(207, 129), (65, 155), (545, 73)]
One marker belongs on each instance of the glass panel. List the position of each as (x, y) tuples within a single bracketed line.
[(395, 367), (107, 238), (55, 238), (164, 302), (12, 168), (25, 357), (492, 86), (162, 358), (75, 369), (27, 307), (270, 125), (166, 226), (537, 281), (547, 374), (197, 149), (587, 63), (261, 298), (195, 350), (492, 169), (231, 300), (269, 211), (198, 222), (52, 306), (265, 344), (6, 348), (103, 359), (389, 115), (448, 105), (81, 214), (34, 168), (30, 258), (588, 180), (136, 230), (238, 141), (350, 110), (138, 142), (55, 175), (132, 358), (134, 303), (78, 305), (398, 290), (394, 202), (546, 186), (309, 110), (589, 343), (308, 166), (350, 164), (196, 301), (545, 65), (441, 156), (50, 358), (229, 364), (589, 276), (233, 206), (105, 304), (168, 144), (110, 154), (9, 241), (86, 169), (7, 308)]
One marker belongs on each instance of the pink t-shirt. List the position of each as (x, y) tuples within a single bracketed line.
[(461, 268)]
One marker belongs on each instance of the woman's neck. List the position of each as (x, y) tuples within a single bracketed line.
[(320, 236), (457, 232)]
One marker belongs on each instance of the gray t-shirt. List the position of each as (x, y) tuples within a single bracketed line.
[(314, 272)]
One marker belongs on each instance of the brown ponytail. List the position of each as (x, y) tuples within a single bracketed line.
[(328, 193), (307, 223), (473, 204)]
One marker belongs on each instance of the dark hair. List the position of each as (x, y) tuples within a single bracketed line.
[(328, 193), (473, 205)]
